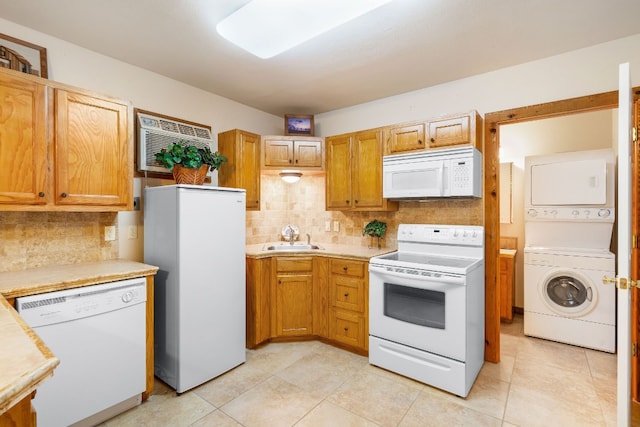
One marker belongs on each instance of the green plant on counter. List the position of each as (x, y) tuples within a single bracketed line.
[(189, 156), (375, 228)]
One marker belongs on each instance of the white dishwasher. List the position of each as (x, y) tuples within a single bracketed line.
[(99, 334)]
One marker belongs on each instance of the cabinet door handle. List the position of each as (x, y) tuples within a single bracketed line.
[(63, 195), (41, 194), (356, 200), (419, 142), (296, 160), (345, 268), (290, 161), (279, 282), (346, 329), (346, 295), (433, 140)]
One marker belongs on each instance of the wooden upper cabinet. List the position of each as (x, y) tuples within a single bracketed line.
[(283, 152), (354, 172), (366, 181), (459, 129), (63, 149), (338, 180), (242, 170), (405, 138), (23, 146), (92, 151)]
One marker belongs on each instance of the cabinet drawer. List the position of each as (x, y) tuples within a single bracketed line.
[(347, 293), (294, 264), (346, 267), (347, 328)]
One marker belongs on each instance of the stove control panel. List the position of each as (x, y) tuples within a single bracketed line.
[(468, 235)]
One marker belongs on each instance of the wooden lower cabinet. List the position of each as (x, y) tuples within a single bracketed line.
[(21, 414), (293, 297), (258, 301), (348, 290), (302, 297), (507, 274)]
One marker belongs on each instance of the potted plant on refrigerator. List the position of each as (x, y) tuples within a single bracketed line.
[(189, 163)]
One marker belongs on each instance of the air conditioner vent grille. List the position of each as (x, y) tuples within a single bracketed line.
[(156, 133), (169, 126)]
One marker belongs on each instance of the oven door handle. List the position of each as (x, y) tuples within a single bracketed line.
[(442, 279)]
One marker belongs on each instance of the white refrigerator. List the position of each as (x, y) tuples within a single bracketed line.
[(196, 236)]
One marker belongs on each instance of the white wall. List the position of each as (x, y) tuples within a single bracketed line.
[(74, 65), (582, 72)]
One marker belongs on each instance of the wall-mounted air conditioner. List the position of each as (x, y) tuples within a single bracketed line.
[(155, 133)]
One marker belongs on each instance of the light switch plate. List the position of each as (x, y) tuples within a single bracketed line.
[(336, 225), (133, 232), (327, 225)]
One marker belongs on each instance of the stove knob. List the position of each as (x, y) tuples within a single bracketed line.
[(603, 213), (532, 213), (575, 212)]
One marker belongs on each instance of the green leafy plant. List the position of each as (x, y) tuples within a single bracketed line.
[(375, 228), (189, 156)]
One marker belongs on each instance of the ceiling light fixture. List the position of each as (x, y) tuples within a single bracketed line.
[(267, 28), (290, 176)]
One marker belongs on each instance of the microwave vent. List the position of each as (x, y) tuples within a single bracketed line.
[(155, 133)]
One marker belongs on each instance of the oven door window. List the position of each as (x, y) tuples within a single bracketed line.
[(416, 306)]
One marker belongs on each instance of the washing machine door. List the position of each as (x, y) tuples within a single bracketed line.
[(569, 293)]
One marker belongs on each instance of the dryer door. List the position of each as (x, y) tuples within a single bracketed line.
[(569, 294)]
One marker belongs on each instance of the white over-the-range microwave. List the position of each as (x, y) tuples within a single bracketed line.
[(449, 172)]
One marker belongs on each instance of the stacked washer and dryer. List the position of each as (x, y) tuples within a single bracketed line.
[(569, 219)]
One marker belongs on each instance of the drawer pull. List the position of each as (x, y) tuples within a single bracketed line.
[(346, 329), (346, 295), (345, 268)]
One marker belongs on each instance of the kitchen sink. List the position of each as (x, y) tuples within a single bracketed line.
[(294, 247)]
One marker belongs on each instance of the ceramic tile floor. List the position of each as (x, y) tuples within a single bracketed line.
[(537, 383)]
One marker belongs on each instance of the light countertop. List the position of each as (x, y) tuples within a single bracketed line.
[(25, 360), (508, 252), (326, 249)]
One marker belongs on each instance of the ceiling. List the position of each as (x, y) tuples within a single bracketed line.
[(400, 47)]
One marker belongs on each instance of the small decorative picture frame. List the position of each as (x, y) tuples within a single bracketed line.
[(23, 56), (299, 124)]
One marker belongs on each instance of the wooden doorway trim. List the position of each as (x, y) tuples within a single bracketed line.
[(492, 122)]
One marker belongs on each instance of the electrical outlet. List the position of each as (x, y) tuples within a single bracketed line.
[(109, 233), (327, 225), (336, 225), (133, 232)]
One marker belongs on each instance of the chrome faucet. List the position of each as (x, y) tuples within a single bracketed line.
[(308, 239), (292, 236)]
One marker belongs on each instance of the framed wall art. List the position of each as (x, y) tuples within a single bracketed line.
[(298, 124), (23, 56)]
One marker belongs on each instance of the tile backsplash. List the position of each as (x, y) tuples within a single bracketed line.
[(34, 239), (303, 204)]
